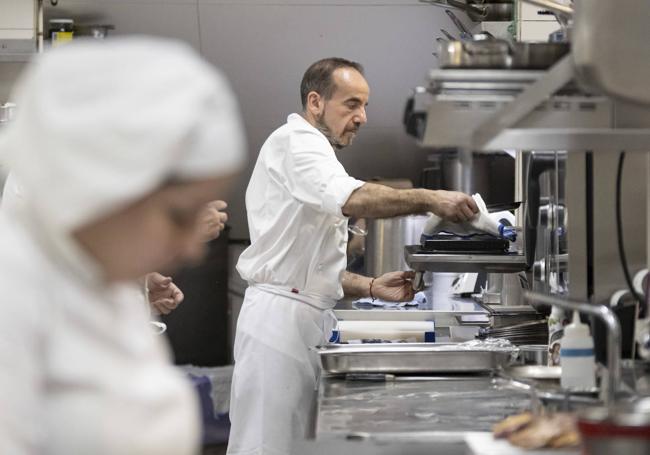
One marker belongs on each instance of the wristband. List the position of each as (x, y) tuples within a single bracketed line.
[(372, 296)]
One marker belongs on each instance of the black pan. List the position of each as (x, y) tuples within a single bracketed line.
[(503, 206)]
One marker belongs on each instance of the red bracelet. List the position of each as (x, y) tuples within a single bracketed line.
[(372, 296)]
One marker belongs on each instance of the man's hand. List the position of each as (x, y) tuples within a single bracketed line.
[(454, 206), (164, 296), (213, 220), (394, 287)]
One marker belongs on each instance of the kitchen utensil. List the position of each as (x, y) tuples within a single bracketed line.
[(478, 244), (385, 242), (503, 206), (526, 333), (411, 358), (492, 12), (464, 33), (475, 54), (537, 372), (500, 54), (533, 354), (448, 35), (480, 12)]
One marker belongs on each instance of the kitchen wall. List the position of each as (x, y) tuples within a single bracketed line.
[(264, 46)]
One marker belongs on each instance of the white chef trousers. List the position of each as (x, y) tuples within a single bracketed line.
[(276, 373)]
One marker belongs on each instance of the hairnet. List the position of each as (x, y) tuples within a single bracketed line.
[(101, 124)]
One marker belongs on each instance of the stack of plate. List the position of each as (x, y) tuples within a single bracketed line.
[(535, 332)]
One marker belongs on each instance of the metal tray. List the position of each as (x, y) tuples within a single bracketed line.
[(421, 261), (402, 358)]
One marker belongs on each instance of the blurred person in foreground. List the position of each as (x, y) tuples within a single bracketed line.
[(119, 145), (161, 293)]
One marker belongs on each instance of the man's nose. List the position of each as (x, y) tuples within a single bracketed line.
[(362, 118)]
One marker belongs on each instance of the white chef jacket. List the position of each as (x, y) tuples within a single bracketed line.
[(297, 228), (80, 370)]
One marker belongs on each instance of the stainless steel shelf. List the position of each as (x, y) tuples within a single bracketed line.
[(421, 262), (452, 119), (488, 110)]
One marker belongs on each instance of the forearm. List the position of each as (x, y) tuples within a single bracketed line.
[(379, 201), (356, 285)]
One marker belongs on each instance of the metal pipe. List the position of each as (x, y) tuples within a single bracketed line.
[(606, 315), (552, 6)]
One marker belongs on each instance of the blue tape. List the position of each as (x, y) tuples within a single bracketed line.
[(587, 352)]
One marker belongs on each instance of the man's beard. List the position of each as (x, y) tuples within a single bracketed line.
[(323, 128)]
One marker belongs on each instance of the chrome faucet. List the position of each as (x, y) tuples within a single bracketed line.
[(606, 315)]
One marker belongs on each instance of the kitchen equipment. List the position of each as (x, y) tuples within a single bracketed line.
[(622, 430), (483, 11), (500, 54), (499, 207), (421, 260), (477, 244), (411, 358), (414, 331), (464, 33), (386, 239), (96, 31), (533, 354), (526, 333), (613, 62), (447, 35), (537, 372), (552, 6), (61, 31)]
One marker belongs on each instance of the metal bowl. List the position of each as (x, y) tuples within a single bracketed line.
[(533, 354)]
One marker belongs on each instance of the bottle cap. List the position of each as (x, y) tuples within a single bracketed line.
[(577, 327)]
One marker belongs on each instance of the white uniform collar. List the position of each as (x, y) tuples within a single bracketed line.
[(298, 118)]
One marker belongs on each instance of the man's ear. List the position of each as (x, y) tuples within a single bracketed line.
[(314, 103)]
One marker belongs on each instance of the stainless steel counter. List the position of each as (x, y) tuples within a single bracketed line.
[(416, 415), (433, 415), (409, 407)]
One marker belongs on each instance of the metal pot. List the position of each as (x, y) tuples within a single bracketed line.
[(480, 11), (499, 54), (386, 240), (533, 354), (538, 55), (490, 54), (494, 12)]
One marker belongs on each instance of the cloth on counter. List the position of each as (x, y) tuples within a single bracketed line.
[(419, 299)]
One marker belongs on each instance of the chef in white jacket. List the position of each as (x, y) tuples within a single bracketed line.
[(119, 145), (298, 201)]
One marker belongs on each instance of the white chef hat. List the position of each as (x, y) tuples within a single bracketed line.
[(102, 123)]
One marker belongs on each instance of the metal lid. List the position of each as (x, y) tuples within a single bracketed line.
[(61, 21)]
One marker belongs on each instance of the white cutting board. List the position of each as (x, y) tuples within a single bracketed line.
[(484, 444)]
